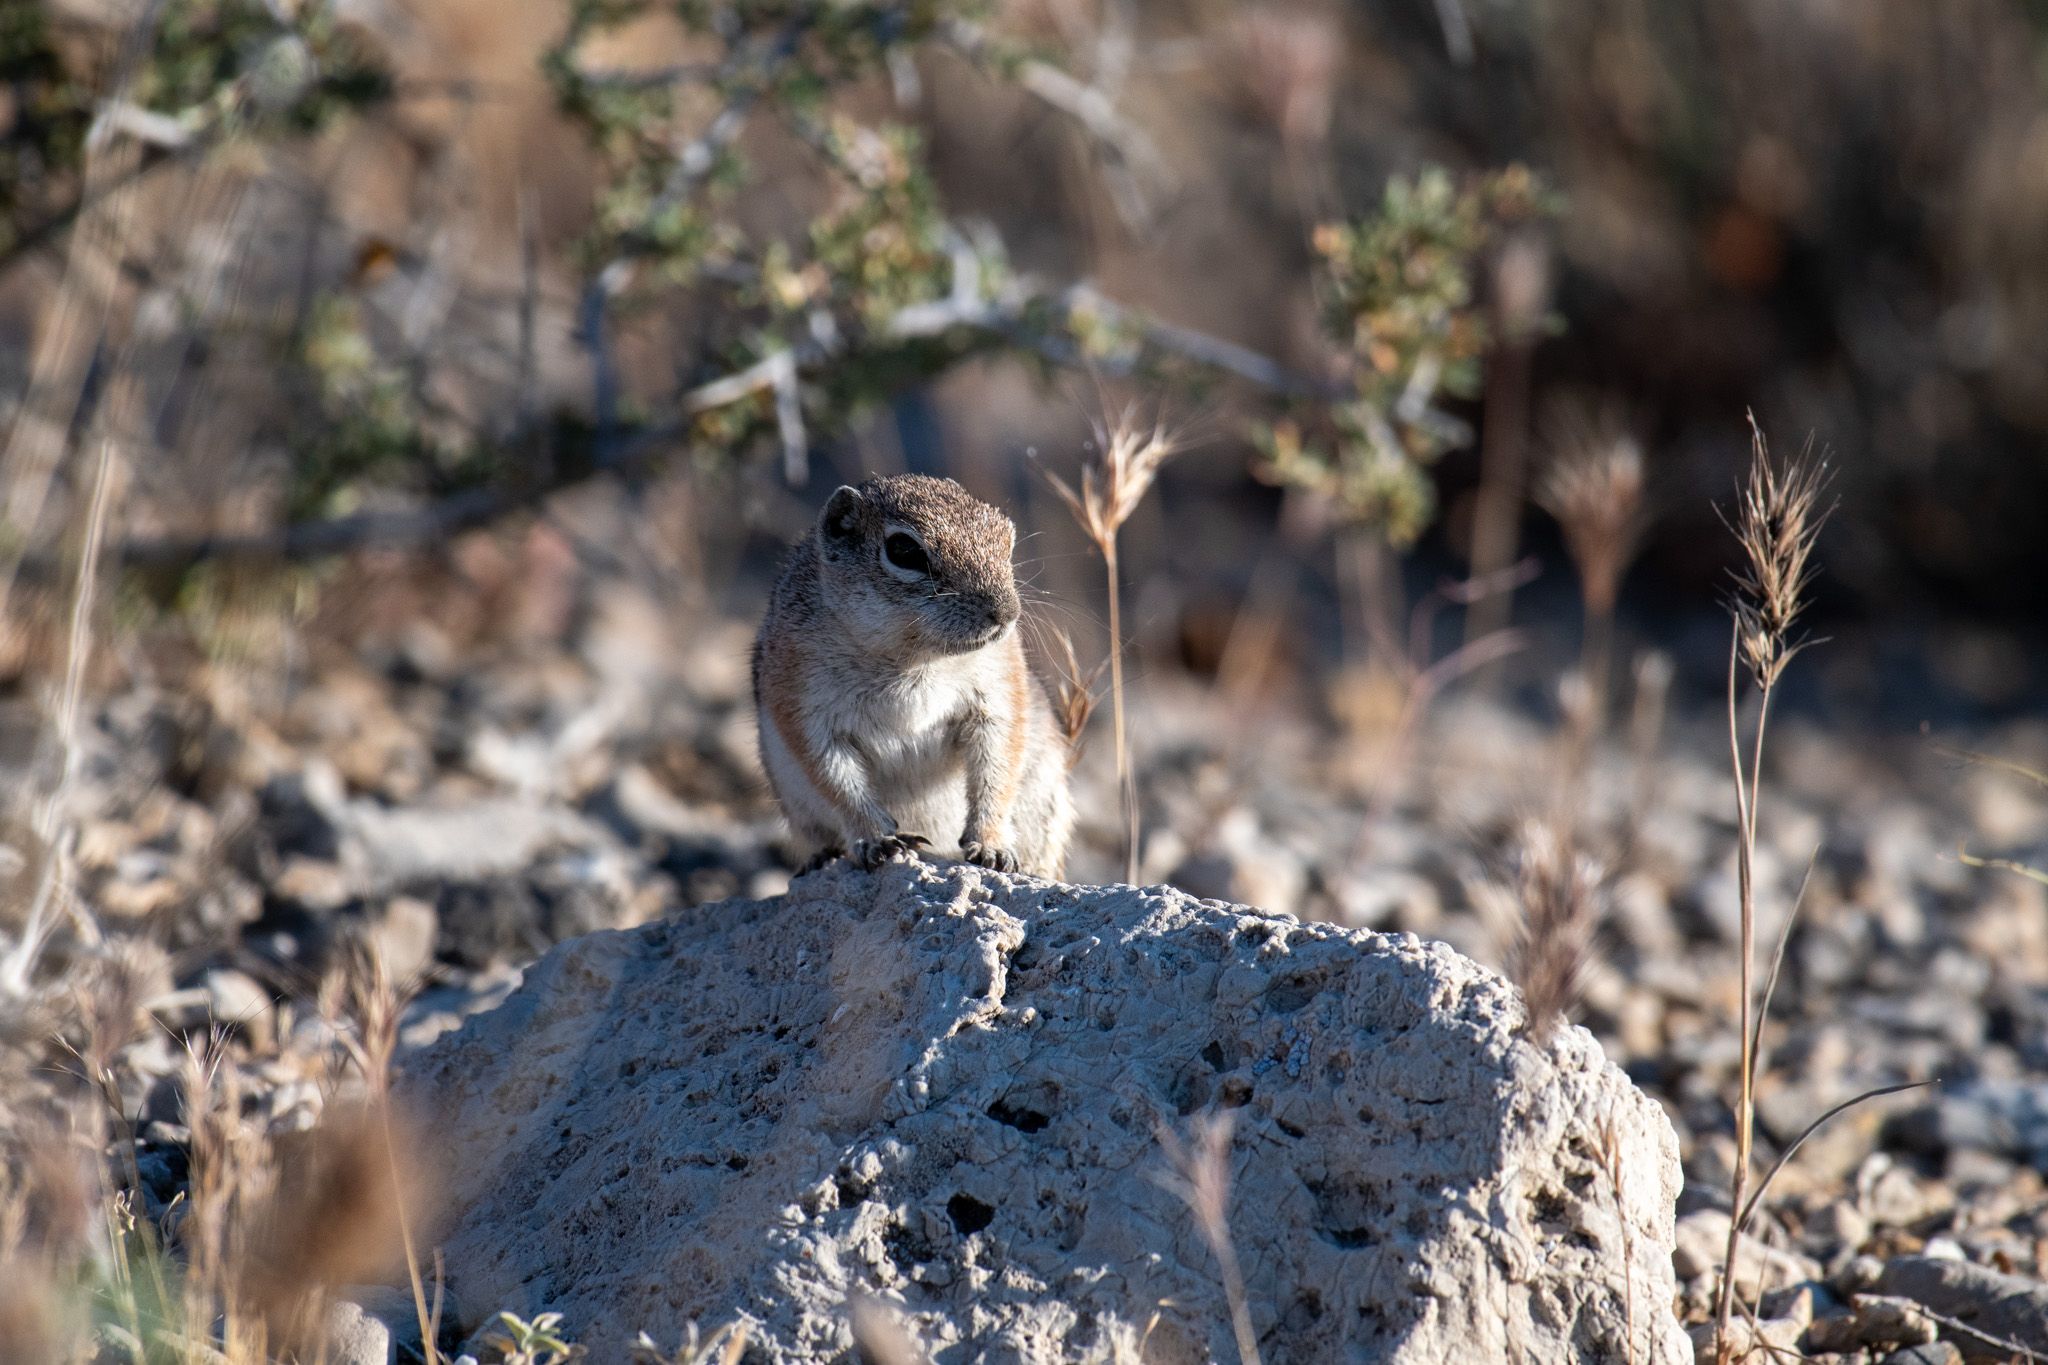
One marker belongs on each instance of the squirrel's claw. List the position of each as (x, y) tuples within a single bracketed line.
[(869, 854), (988, 855)]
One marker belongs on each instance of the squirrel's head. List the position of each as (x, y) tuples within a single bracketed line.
[(914, 563)]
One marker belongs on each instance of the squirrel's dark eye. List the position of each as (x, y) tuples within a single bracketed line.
[(905, 553)]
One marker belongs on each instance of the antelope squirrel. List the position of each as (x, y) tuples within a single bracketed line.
[(897, 710)]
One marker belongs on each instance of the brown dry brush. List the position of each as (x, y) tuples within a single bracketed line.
[(332, 1218), (280, 1222), (48, 1205), (269, 1227), (1778, 515), (375, 1005)]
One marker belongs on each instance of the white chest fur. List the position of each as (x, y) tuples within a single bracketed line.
[(906, 724)]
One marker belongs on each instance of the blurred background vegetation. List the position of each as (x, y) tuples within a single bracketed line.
[(332, 277)]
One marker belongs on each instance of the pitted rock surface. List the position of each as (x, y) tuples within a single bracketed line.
[(940, 1091)]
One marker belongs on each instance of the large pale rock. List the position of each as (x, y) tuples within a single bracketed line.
[(937, 1093)]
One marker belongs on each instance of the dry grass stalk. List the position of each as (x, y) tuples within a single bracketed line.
[(1777, 518), (2038, 778), (48, 1204), (1074, 699), (1405, 670), (1559, 890), (231, 1176), (1649, 699), (880, 1337), (1608, 1138), (1201, 1179), (1521, 285), (695, 1348), (1117, 470), (273, 1225), (1594, 488), (1778, 515), (2016, 868), (53, 885), (1756, 1199), (375, 1006)]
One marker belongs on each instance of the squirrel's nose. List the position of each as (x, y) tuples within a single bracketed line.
[(1003, 610)]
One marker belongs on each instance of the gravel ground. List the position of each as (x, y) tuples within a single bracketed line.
[(461, 809)]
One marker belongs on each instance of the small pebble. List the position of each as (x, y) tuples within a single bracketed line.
[(1929, 1353)]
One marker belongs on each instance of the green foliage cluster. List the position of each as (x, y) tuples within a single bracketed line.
[(256, 67), (210, 66), (42, 134), (372, 427), (877, 244), (1399, 297), (877, 291), (539, 1342), (213, 70)]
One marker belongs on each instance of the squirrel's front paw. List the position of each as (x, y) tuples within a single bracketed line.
[(869, 854), (987, 855)]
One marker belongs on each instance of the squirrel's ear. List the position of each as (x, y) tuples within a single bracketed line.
[(842, 513)]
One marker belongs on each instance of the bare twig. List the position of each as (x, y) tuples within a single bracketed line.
[(1139, 168), (1457, 31), (1011, 318), (524, 396), (53, 887), (64, 355), (1521, 283), (2004, 1345), (747, 77)]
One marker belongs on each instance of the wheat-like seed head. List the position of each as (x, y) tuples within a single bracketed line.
[(1074, 698), (1560, 891), (1778, 515), (1116, 473), (1594, 487)]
